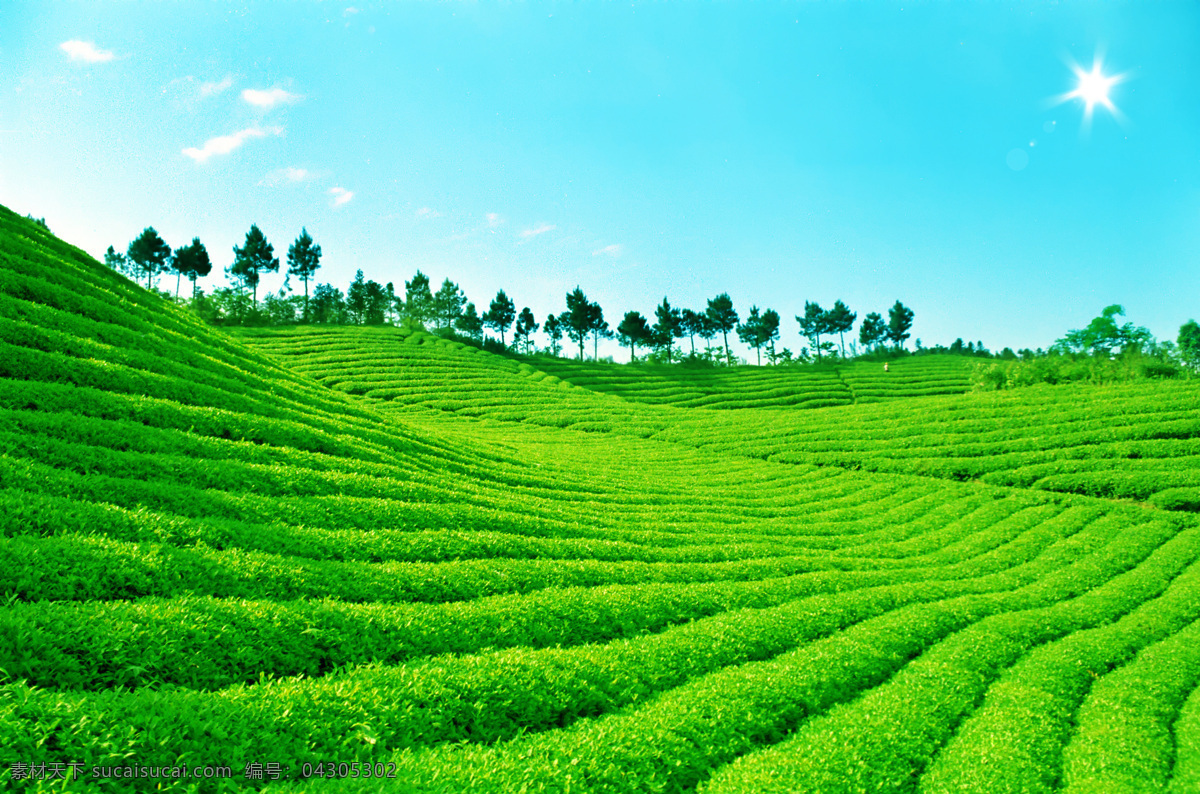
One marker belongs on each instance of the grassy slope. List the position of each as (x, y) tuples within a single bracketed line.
[(764, 387), (210, 557), (1137, 442)]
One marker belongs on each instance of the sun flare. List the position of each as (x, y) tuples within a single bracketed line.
[(1093, 87)]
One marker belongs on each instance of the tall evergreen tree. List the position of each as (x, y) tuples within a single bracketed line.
[(752, 333), (470, 323), (577, 319), (839, 320), (149, 254), (873, 331), (1189, 343), (304, 257), (392, 312), (254, 257), (418, 299), (356, 299), (375, 304), (554, 331), (500, 314), (692, 323), (900, 320), (769, 330), (526, 325), (668, 326), (120, 263), (706, 330), (723, 318), (634, 331), (598, 327), (812, 324), (448, 304), (328, 305), (192, 262)]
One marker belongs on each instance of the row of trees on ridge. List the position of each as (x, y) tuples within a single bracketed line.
[(448, 311)]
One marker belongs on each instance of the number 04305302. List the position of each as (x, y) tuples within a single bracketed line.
[(353, 769)]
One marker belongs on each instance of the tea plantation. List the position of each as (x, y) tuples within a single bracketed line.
[(368, 559)]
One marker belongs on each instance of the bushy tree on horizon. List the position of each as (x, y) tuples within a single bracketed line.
[(770, 331), (900, 320), (328, 305), (418, 299), (693, 323), (633, 331), (723, 318), (500, 315), (839, 320), (192, 261), (149, 254), (872, 332), (526, 326), (668, 326), (356, 299), (598, 327), (304, 258), (448, 304), (759, 329), (813, 323), (470, 323), (366, 301), (120, 263), (577, 319), (392, 302), (1189, 343), (553, 328), (250, 261), (1103, 337)]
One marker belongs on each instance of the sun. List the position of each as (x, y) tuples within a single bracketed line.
[(1093, 88)]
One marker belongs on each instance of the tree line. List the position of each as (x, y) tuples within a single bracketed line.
[(448, 312)]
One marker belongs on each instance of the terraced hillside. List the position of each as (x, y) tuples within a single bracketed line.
[(765, 387), (212, 557), (1132, 441)]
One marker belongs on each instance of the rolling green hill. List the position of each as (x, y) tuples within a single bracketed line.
[(1136, 441), (471, 573), (766, 387)]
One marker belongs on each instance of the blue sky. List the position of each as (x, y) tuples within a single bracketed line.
[(780, 152)]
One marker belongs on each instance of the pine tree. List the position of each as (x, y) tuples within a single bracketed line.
[(250, 261), (900, 320), (723, 318), (418, 299), (526, 325), (634, 331), (448, 304), (303, 260), (500, 314), (191, 261), (149, 254)]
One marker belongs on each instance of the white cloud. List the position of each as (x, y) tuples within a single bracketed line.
[(350, 11), (224, 144), (426, 212), (268, 98), (212, 88), (610, 250), (494, 219), (85, 51), (340, 195), (540, 229), (289, 174)]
